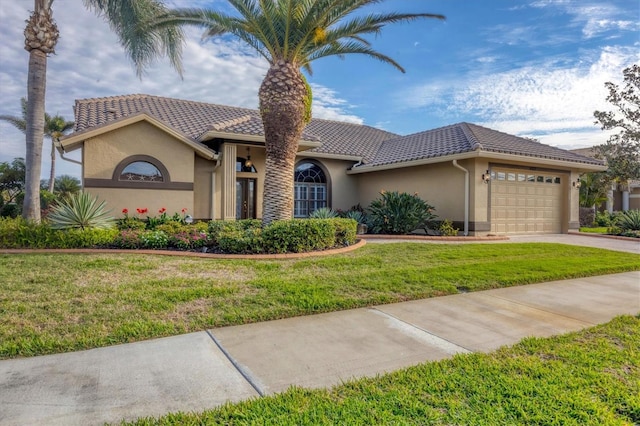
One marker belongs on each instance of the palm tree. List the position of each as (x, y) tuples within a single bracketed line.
[(290, 34), (41, 36), (54, 127)]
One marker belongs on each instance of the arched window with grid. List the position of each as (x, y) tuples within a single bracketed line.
[(310, 189)]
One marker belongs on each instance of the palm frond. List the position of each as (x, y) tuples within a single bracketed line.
[(130, 20)]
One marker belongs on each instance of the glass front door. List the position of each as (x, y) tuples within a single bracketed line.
[(245, 198)]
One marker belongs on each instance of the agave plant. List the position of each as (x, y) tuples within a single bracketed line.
[(81, 210), (323, 213), (629, 220), (356, 215)]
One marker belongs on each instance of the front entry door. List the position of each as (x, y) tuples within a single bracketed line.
[(245, 198)]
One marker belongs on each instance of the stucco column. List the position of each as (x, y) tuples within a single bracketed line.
[(625, 200), (610, 199), (229, 182)]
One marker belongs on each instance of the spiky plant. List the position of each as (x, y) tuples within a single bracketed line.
[(81, 211), (629, 220), (323, 213)]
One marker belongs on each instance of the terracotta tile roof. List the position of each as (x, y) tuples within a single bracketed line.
[(375, 147), (466, 137)]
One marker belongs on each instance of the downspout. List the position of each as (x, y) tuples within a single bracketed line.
[(466, 196), (60, 150)]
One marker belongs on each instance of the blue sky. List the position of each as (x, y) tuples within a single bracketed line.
[(533, 68)]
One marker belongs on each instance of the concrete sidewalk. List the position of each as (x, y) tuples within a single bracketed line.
[(202, 370)]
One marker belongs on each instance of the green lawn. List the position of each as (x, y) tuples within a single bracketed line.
[(595, 230), (591, 377), (53, 303)]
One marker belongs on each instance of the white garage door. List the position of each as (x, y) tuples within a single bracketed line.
[(526, 202)]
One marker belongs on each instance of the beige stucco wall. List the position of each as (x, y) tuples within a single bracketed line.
[(441, 185), (151, 199), (102, 153)]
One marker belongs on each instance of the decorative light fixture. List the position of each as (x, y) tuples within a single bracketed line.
[(486, 176), (188, 219), (577, 183), (248, 162)]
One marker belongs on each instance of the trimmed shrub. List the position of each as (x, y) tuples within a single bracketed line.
[(19, 233), (299, 235), (128, 239), (587, 216), (346, 230), (188, 239), (399, 213), (129, 222), (85, 238), (239, 240), (154, 239)]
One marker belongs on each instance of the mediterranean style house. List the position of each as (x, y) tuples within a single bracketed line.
[(142, 151)]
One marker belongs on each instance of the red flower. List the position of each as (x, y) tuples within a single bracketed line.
[(125, 211), (184, 210), (162, 210), (141, 211)]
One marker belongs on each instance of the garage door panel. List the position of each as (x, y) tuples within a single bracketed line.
[(524, 204)]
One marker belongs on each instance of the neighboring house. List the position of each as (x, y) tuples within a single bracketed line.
[(619, 197), (141, 151)]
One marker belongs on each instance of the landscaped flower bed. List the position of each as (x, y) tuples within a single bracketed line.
[(244, 236)]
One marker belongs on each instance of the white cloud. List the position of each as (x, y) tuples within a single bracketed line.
[(536, 98)]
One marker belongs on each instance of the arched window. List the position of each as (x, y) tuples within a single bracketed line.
[(310, 189), (141, 171)]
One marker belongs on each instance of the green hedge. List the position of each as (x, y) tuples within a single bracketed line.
[(243, 236), (19, 233)]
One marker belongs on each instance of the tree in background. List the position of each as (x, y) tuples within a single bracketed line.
[(290, 34), (41, 36), (622, 150), (54, 127), (12, 176)]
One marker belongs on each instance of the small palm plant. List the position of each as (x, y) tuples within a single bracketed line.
[(81, 211)]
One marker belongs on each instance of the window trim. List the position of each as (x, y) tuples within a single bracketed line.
[(115, 181)]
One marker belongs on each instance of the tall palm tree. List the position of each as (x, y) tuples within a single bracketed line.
[(54, 127), (41, 36), (290, 34)]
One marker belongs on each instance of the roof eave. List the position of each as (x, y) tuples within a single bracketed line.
[(420, 162), (303, 144), (581, 167), (311, 154)]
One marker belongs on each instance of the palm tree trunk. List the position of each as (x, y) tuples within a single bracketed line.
[(41, 35), (52, 173), (282, 107), (36, 86)]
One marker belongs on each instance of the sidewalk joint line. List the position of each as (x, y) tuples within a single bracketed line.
[(237, 366), (464, 350)]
